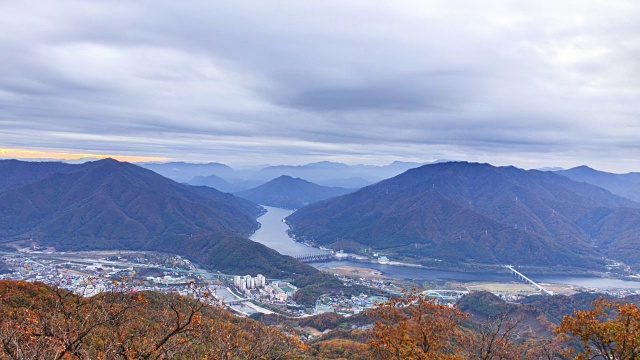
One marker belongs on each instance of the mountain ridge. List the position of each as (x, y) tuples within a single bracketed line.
[(531, 217), (111, 205), (290, 193), (626, 185), (318, 172)]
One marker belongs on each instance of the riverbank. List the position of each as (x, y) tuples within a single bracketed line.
[(274, 234)]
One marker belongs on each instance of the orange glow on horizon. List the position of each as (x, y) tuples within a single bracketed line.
[(60, 155)]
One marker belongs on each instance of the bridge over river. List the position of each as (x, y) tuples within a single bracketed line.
[(526, 279), (452, 295), (314, 257)]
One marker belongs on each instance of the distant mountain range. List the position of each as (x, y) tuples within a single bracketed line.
[(184, 171), (330, 172), (322, 173), (467, 212), (627, 185), (290, 193), (446, 211), (107, 204)]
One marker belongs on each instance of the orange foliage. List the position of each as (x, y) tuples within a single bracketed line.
[(415, 327), (608, 331), (43, 322), (342, 349)]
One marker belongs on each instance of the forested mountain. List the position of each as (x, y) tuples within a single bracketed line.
[(107, 204), (349, 183), (627, 185), (15, 172), (468, 212), (290, 193)]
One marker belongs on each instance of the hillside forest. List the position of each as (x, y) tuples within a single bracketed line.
[(40, 321)]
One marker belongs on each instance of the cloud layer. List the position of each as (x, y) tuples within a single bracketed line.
[(546, 83)]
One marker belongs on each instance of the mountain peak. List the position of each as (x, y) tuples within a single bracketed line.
[(286, 179), (108, 166), (583, 168), (626, 185), (462, 211), (110, 162), (290, 193), (112, 205)]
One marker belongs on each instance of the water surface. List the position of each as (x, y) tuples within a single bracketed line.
[(273, 233)]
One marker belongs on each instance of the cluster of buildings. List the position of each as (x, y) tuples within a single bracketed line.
[(256, 288), (87, 277), (371, 283), (48, 272), (347, 305), (281, 291), (248, 282)]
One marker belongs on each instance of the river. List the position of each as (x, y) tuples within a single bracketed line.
[(273, 233)]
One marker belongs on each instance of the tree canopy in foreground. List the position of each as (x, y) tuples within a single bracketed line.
[(39, 321)]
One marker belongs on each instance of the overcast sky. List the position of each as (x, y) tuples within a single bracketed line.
[(528, 83)]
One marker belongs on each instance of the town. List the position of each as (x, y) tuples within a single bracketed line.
[(92, 272), (89, 273)]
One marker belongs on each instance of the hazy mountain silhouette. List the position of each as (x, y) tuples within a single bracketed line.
[(460, 211), (627, 185), (184, 171), (290, 193), (324, 173), (223, 185), (330, 171)]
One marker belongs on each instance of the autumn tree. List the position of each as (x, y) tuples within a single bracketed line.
[(229, 337), (417, 327), (495, 338), (607, 331), (41, 320), (161, 326), (342, 349), (38, 321)]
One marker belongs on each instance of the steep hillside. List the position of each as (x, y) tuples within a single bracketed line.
[(223, 185), (349, 183), (16, 172), (626, 185), (111, 205), (290, 193), (468, 212), (213, 181)]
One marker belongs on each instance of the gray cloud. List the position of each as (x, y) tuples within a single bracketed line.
[(532, 84)]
